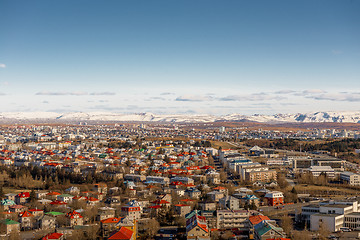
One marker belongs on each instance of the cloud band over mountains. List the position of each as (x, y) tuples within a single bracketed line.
[(47, 93)]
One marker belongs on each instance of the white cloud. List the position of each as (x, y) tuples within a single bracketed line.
[(193, 98), (2, 65), (284, 91), (309, 91), (103, 93), (251, 97), (61, 93), (343, 97)]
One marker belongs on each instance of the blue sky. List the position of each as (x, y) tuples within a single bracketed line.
[(213, 57)]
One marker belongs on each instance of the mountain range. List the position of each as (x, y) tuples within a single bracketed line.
[(313, 117)]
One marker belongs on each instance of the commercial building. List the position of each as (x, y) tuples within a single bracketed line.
[(350, 178)]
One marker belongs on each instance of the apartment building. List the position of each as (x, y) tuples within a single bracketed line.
[(350, 178), (263, 176), (228, 219)]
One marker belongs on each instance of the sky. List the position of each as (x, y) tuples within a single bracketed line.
[(183, 57)]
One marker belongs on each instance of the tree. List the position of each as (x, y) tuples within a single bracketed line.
[(14, 235), (253, 205), (287, 224), (32, 196), (78, 234), (323, 231), (303, 235), (1, 193), (92, 232), (149, 229), (223, 175)]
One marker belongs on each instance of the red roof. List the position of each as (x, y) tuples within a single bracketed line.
[(160, 202), (24, 195), (53, 193), (92, 199), (25, 214), (52, 236), (57, 202), (77, 197), (35, 210), (74, 214), (155, 207), (176, 183), (123, 234), (181, 205), (257, 219), (207, 167), (187, 200), (111, 220)]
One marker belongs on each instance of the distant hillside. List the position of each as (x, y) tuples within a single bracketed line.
[(314, 117)]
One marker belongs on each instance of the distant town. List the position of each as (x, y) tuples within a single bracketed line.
[(178, 181)]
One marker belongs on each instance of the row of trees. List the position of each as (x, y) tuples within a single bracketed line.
[(343, 145)]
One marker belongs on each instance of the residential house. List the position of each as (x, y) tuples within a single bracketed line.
[(22, 197), (266, 230), (108, 225), (74, 219), (196, 226), (274, 198), (7, 226), (65, 198), (106, 213), (229, 202), (46, 222), (215, 195), (6, 203), (124, 234), (26, 220), (132, 210), (182, 209), (54, 236)]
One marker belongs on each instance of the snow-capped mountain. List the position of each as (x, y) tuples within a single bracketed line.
[(342, 117)]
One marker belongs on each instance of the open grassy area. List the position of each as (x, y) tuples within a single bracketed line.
[(324, 190), (223, 145)]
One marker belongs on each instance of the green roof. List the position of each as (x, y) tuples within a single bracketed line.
[(8, 222), (54, 213), (65, 195), (264, 226)]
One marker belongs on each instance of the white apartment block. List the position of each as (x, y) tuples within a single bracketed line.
[(228, 219), (351, 178)]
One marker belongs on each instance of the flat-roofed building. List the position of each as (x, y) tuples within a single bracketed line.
[(263, 176), (318, 170), (350, 178), (228, 219), (332, 222), (352, 220)]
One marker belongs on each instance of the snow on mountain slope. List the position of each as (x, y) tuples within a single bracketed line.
[(350, 117), (28, 115)]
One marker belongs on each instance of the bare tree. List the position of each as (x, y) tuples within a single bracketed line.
[(149, 228), (287, 224)]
